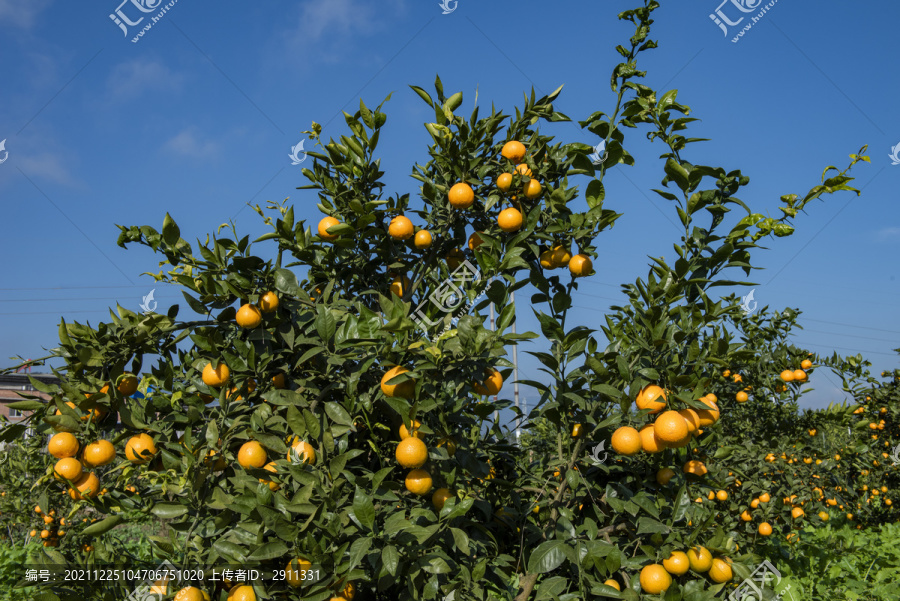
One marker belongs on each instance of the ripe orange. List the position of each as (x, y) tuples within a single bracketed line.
[(765, 498), (401, 228), (88, 484), (522, 169), (663, 476), (450, 444), (248, 316), (68, 469), (546, 259), (461, 196), (270, 467), (745, 516), (672, 429), (504, 182), (216, 376), (349, 592), (400, 284), (475, 241), (252, 454), (650, 442), (455, 258), (691, 419), (700, 559), (576, 430), (613, 584), (513, 150), (268, 302), (708, 416), (279, 381), (400, 389), (655, 579), (787, 375), (626, 441), (418, 482), (242, 593), (559, 256), (295, 572), (694, 467), (799, 375), (99, 453), (491, 385), (533, 189), (797, 513), (404, 432), (440, 497), (423, 239), (722, 495), (720, 571), (765, 529), (677, 563), (510, 220), (324, 225), (302, 452), (580, 265), (651, 397), (140, 449), (823, 515), (412, 453), (741, 397), (190, 593), (127, 384), (806, 364), (63, 445)]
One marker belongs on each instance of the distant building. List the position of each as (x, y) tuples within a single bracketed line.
[(10, 383)]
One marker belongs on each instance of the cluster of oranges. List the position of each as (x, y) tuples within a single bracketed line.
[(797, 375), (65, 448), (51, 530), (656, 578)]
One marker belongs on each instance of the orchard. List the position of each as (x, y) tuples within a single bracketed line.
[(312, 421)]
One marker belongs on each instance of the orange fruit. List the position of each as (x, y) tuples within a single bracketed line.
[(418, 482), (412, 453), (62, 445), (99, 453), (68, 469), (765, 498), (745, 516), (189, 593), (797, 513), (510, 220), (513, 150), (349, 592), (700, 559), (823, 515), (270, 467), (302, 452), (252, 454), (741, 397), (691, 418), (279, 381), (651, 397), (295, 572), (576, 430), (650, 442), (663, 476), (708, 416), (655, 579), (88, 484), (559, 256), (268, 302), (546, 259), (45, 533), (626, 441), (400, 284), (722, 495), (720, 571), (127, 384), (216, 376), (324, 225), (399, 389), (580, 265), (450, 444), (613, 584), (806, 364), (440, 497), (404, 432), (672, 429), (455, 258), (140, 449), (533, 189), (765, 529), (504, 182), (491, 385), (799, 375), (423, 239), (401, 228), (694, 467), (475, 241), (243, 593), (522, 169), (248, 316), (787, 375), (461, 196), (677, 563)]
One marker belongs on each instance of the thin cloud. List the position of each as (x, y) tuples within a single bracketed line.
[(46, 166), (888, 234), (21, 13), (331, 26), (188, 143), (137, 77)]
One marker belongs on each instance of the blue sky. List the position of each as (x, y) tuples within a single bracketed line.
[(198, 117)]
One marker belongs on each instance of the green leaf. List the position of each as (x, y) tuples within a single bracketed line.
[(270, 550), (546, 557), (338, 414), (390, 559), (359, 548), (26, 405), (102, 526), (461, 539), (595, 193), (168, 511), (171, 233), (363, 508)]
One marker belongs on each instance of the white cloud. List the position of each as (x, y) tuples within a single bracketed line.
[(136, 77), (188, 143), (888, 234), (21, 13), (45, 165), (333, 25)]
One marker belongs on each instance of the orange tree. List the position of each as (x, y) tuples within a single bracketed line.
[(337, 431)]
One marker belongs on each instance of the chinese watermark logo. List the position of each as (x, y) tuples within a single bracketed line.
[(895, 154), (6, 152), (123, 21), (745, 303), (147, 300), (295, 153), (449, 296), (895, 455), (446, 5), (595, 452), (599, 153), (752, 588), (743, 8)]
